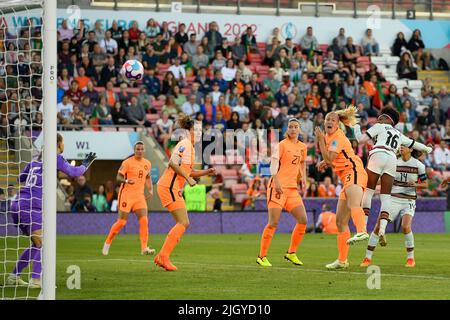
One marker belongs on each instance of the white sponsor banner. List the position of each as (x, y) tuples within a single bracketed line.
[(435, 33), (107, 145)]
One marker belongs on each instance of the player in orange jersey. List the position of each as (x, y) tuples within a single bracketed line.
[(338, 153), (134, 175), (170, 185), (288, 169)]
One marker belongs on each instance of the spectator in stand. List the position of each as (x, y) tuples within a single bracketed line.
[(225, 48), (84, 205), (229, 71), (168, 83), (178, 96), (293, 108), (308, 42), (437, 115), (219, 123), (444, 99), (208, 109), (234, 123), (330, 65), (190, 47), (71, 65), (415, 43), (312, 192), (116, 30), (99, 200), (242, 110), (223, 108), (204, 81), (218, 78), (199, 59), (118, 114), (406, 96), (74, 93), (314, 95), (3, 203), (181, 36), (215, 93), (350, 89), (109, 72), (82, 188), (151, 82), (364, 99), (284, 59), (165, 32), (178, 71), (190, 107), (281, 121), (406, 68), (394, 98), (123, 95), (337, 50), (249, 40), (219, 61), (86, 107), (410, 112), (314, 65), (195, 90), (82, 79), (441, 157), (246, 74), (341, 39), (400, 44), (99, 31), (171, 108), (125, 42), (91, 41), (238, 50), (272, 52), (108, 44), (103, 112), (290, 48), (214, 36), (164, 129), (327, 189), (281, 96), (304, 86), (204, 43), (110, 95), (272, 83), (64, 79), (65, 33), (278, 70), (134, 33), (350, 52), (295, 73), (136, 113), (306, 125), (276, 33), (370, 45)]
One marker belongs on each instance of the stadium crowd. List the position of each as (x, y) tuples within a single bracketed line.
[(241, 83)]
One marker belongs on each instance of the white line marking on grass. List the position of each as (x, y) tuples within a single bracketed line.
[(228, 266)]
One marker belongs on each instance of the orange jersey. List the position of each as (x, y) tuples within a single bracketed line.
[(136, 170), (346, 158), (290, 155), (329, 222), (184, 155), (327, 193)]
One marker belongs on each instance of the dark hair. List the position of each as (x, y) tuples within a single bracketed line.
[(59, 138), (185, 122), (392, 113), (416, 153), (138, 143)]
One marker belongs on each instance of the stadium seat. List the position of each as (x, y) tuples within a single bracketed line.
[(415, 84), (239, 192), (230, 177)]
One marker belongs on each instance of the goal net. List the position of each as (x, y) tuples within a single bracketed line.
[(22, 116)]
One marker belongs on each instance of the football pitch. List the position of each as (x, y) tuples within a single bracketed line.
[(222, 266)]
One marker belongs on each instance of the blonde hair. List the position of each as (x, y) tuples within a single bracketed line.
[(348, 116)]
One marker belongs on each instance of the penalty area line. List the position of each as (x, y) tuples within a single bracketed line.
[(228, 266)]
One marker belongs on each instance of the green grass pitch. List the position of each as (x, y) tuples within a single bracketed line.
[(222, 266)]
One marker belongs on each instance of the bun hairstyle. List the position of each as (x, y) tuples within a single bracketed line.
[(392, 114), (185, 122), (348, 116)]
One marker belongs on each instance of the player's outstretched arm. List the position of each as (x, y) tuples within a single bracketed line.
[(362, 138), (71, 171), (181, 172), (201, 173)]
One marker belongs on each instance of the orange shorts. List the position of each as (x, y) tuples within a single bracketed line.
[(128, 203), (171, 199), (351, 177), (289, 199)]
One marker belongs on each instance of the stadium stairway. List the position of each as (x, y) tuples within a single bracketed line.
[(9, 169), (438, 78)]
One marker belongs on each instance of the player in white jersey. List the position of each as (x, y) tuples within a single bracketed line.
[(410, 174), (382, 161)]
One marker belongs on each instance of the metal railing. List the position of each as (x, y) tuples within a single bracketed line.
[(393, 8)]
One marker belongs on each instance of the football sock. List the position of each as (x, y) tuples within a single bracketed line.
[(143, 231), (297, 236), (265, 240), (373, 241), (358, 217), (343, 247), (409, 244), (115, 229), (173, 237)]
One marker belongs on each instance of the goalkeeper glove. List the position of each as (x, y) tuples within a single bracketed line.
[(90, 157)]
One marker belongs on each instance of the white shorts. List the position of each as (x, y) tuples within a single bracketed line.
[(401, 207), (382, 162)]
